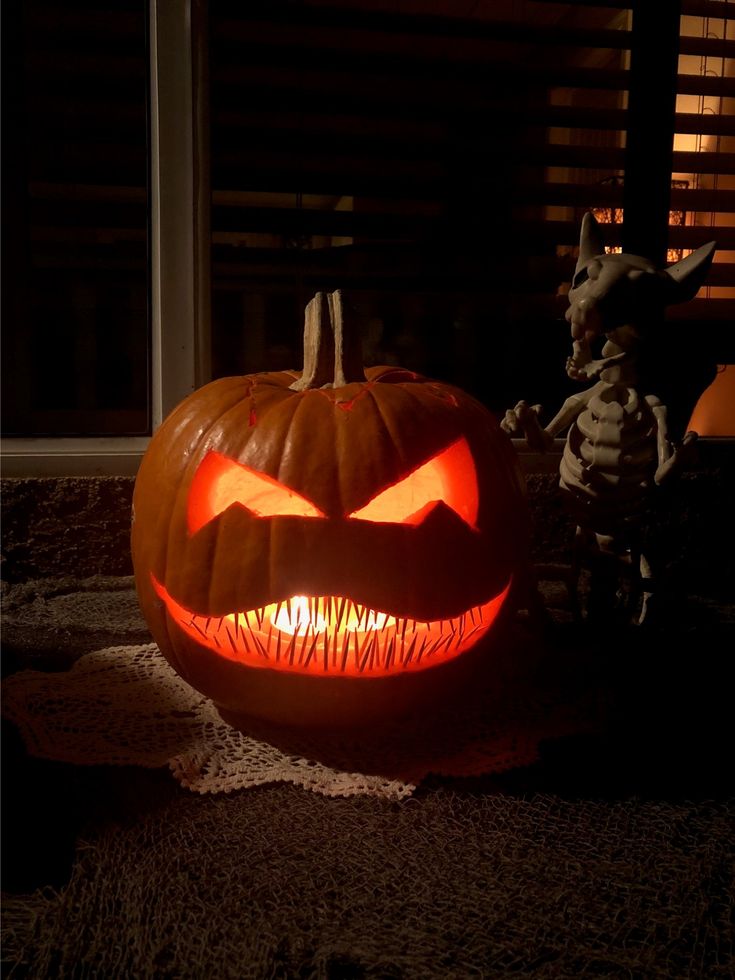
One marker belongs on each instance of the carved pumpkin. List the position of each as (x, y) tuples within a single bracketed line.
[(326, 552)]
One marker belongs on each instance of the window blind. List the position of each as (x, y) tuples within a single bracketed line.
[(703, 178), (435, 162)]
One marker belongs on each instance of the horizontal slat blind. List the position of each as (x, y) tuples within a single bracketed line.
[(703, 198), (434, 164)]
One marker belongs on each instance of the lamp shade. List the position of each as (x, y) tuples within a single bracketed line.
[(714, 413)]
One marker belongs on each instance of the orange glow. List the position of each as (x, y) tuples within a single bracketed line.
[(333, 635), (450, 476), (714, 413), (299, 615), (220, 482)]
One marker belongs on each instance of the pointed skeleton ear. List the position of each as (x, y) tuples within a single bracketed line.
[(689, 274), (590, 241)]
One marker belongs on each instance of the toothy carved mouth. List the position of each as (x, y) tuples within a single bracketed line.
[(329, 635)]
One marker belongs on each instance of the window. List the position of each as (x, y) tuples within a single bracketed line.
[(433, 161), (436, 165), (171, 244), (75, 212)]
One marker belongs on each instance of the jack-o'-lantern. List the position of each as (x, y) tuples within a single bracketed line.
[(327, 548)]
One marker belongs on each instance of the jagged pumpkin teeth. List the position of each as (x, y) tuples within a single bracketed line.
[(292, 650), (372, 641), (406, 660), (345, 652)]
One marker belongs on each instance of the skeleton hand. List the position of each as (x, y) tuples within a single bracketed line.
[(522, 421), (683, 454)]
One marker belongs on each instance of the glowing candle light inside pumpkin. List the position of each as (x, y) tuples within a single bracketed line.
[(300, 615), (449, 476), (295, 617)]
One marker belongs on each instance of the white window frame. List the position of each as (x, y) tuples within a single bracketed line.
[(179, 250)]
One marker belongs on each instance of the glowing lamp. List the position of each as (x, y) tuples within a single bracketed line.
[(329, 548), (714, 413)]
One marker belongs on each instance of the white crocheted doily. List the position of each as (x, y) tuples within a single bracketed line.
[(124, 705)]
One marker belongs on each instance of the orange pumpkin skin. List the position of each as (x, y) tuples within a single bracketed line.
[(212, 587)]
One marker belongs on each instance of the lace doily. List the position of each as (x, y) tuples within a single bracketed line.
[(124, 705)]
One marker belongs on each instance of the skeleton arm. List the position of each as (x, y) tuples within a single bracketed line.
[(522, 421), (670, 459)]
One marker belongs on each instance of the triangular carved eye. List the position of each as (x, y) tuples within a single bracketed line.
[(220, 482), (449, 477)]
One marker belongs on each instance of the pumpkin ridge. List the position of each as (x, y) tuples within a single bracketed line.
[(397, 446), (346, 448), (417, 391), (417, 395), (292, 439)]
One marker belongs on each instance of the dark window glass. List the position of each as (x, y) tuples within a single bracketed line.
[(75, 267)]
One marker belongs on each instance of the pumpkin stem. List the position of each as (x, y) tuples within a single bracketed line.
[(332, 354)]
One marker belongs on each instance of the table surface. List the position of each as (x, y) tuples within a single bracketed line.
[(612, 856)]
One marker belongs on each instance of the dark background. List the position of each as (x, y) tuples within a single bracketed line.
[(433, 160)]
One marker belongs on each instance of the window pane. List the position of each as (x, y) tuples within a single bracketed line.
[(75, 267)]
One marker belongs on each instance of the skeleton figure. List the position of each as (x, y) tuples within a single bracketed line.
[(618, 447)]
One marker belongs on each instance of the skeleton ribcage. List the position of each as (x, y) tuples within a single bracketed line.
[(610, 457)]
